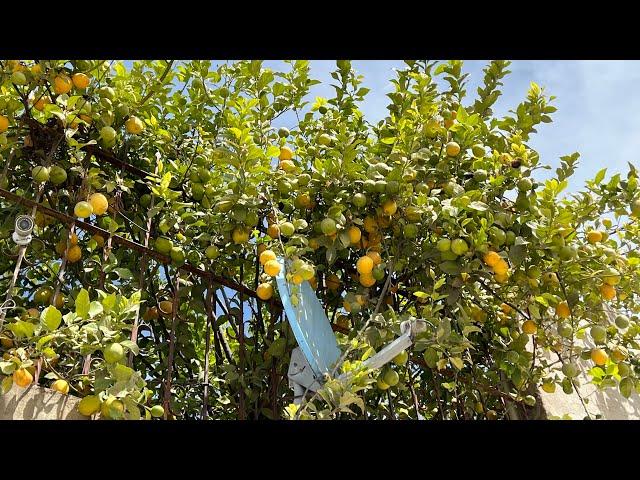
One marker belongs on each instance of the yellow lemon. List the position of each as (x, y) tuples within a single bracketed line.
[(272, 268), (83, 209), (265, 291), (286, 153), (364, 265), (354, 234), (80, 80), (89, 405), (60, 386), (99, 203), (22, 377), (367, 280), (62, 84), (266, 256), (452, 149)]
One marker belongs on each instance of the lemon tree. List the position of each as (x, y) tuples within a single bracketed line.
[(163, 193)]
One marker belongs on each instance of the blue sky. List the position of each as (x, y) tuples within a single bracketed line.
[(596, 100), (597, 106)]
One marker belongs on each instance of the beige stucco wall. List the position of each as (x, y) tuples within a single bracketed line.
[(38, 403), (609, 402)]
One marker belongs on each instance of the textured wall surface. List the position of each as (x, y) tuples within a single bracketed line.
[(38, 403), (609, 402)]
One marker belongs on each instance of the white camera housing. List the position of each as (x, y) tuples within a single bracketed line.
[(23, 228)]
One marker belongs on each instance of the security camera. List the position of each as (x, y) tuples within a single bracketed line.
[(24, 227)]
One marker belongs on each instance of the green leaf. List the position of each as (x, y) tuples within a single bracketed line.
[(7, 367), (51, 317), (457, 362), (444, 329), (130, 345), (124, 273), (470, 329), (430, 357), (122, 373), (6, 385), (479, 206), (626, 387), (109, 302), (44, 340), (600, 175), (369, 352), (22, 329), (95, 308), (450, 267), (82, 304)]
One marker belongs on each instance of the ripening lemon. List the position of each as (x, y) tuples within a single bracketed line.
[(61, 247), (240, 235), (619, 354), (80, 80), (501, 267), (60, 386), (273, 230), (491, 258), (611, 280), (166, 307), (58, 301), (347, 306), (266, 256), (99, 203), (354, 234), (4, 123), (285, 153), (157, 411), (62, 84), (370, 225), (297, 279), (506, 308), (367, 280), (594, 236), (74, 254), (608, 292), (265, 291), (452, 149), (111, 405), (40, 103), (529, 327), (365, 265), (501, 277), (112, 353), (287, 166), (22, 377), (599, 356), (562, 310), (549, 387), (389, 207), (83, 209), (134, 125), (272, 268), (89, 405), (332, 281), (99, 239), (375, 256)]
